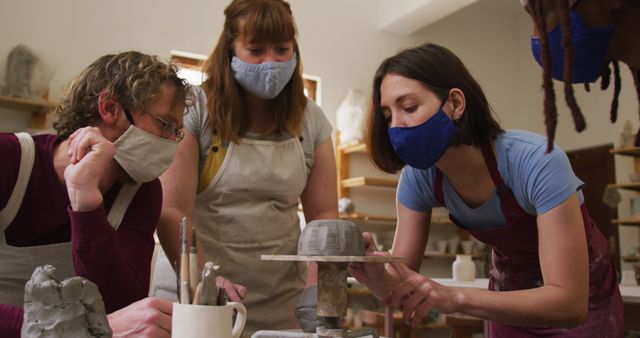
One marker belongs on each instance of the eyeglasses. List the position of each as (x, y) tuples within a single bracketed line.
[(168, 128)]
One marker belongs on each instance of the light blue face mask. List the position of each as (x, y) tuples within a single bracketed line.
[(264, 80)]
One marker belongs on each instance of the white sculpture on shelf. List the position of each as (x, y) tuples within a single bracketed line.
[(27, 75), (626, 137), (346, 206), (351, 116)]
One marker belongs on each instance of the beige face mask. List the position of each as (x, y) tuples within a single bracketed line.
[(142, 155)]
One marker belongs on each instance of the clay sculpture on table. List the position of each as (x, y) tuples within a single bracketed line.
[(71, 308), (331, 238)]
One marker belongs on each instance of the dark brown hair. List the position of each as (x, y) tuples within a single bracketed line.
[(538, 12), (132, 78), (539, 9), (265, 21), (439, 70)]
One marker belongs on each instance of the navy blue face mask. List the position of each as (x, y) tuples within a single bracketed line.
[(590, 47), (422, 145)]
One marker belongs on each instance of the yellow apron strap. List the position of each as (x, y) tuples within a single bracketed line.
[(217, 152)]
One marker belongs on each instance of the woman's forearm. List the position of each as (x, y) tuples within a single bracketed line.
[(548, 305)]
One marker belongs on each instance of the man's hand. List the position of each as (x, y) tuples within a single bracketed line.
[(149, 317), (90, 154)]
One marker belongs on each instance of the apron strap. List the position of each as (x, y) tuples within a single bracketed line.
[(27, 157), (437, 185), (492, 165), (217, 154), (121, 203), (510, 207), (503, 191), (439, 194)]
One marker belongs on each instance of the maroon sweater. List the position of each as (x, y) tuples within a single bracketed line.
[(118, 262)]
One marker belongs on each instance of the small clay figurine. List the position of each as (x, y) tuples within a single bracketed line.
[(71, 308)]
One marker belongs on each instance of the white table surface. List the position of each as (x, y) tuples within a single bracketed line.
[(630, 294)]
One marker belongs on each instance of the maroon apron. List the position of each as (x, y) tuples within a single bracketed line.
[(516, 266)]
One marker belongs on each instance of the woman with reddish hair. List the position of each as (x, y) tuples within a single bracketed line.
[(254, 147)]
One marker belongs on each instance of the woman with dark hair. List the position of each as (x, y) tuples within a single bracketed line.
[(552, 274), (254, 146)]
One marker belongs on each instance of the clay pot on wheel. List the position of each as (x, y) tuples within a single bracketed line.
[(331, 237)]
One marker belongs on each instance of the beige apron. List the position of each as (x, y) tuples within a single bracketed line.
[(17, 263), (250, 209)]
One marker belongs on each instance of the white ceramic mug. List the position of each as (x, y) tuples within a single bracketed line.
[(207, 321), (628, 278)]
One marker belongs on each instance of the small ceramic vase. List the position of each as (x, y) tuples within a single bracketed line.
[(463, 269)]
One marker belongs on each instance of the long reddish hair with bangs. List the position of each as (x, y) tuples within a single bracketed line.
[(263, 21)]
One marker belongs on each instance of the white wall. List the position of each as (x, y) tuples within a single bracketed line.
[(339, 39)]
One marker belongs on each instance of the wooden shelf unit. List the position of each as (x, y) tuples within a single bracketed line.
[(38, 108), (371, 223), (384, 223), (364, 217), (446, 255), (626, 151), (346, 182), (628, 221), (362, 181), (632, 152), (364, 221), (376, 318), (634, 186), (352, 147), (632, 220)]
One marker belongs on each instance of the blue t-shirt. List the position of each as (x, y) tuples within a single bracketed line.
[(539, 182)]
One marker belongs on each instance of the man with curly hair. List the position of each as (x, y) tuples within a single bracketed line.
[(88, 200)]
